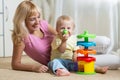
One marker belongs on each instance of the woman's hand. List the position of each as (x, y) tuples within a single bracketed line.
[(40, 69)]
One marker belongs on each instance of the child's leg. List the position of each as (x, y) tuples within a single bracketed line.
[(58, 68), (69, 64), (101, 69), (62, 72)]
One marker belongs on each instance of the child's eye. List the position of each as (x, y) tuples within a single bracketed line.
[(68, 27)]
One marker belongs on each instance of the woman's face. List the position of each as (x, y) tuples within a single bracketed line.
[(33, 22)]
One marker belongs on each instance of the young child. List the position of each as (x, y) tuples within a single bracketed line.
[(63, 48), (32, 35)]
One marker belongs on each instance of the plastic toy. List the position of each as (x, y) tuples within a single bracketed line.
[(65, 31), (85, 63)]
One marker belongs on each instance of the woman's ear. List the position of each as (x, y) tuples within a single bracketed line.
[(57, 30)]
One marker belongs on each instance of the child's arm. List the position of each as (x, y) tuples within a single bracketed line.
[(62, 47), (74, 56)]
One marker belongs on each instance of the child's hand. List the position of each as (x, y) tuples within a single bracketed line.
[(65, 36)]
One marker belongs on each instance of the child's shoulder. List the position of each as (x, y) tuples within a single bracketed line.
[(56, 37), (73, 36)]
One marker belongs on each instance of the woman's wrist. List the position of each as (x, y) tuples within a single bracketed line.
[(35, 68)]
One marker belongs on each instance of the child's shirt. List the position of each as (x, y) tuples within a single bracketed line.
[(70, 47), (39, 48)]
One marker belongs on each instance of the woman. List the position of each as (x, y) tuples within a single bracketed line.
[(32, 35)]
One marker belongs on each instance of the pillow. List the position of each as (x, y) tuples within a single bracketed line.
[(110, 60), (102, 44)]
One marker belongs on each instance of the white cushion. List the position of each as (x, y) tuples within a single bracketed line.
[(102, 44), (110, 60)]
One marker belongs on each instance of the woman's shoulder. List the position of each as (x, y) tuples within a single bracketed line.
[(44, 25), (43, 22), (25, 39)]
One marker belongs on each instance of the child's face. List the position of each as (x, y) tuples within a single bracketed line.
[(66, 25), (32, 22)]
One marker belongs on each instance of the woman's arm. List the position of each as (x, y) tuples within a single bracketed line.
[(16, 58), (18, 65), (52, 30)]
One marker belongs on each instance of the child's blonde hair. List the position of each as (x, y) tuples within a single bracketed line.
[(23, 11), (62, 19)]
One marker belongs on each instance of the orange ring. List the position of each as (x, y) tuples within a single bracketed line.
[(86, 51)]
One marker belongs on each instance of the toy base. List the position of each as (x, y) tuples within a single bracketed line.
[(83, 73)]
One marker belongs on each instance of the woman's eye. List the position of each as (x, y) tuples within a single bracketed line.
[(31, 19)]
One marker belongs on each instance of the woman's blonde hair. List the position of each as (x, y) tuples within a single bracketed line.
[(24, 10), (62, 19)]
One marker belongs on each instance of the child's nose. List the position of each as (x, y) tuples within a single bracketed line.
[(66, 29)]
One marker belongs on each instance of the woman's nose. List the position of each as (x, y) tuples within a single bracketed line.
[(37, 21)]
